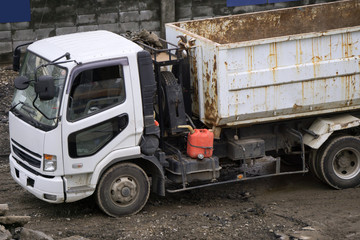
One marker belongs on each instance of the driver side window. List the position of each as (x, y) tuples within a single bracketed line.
[(95, 90)]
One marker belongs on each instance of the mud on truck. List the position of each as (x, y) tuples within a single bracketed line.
[(224, 100)]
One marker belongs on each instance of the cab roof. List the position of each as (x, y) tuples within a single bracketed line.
[(85, 47)]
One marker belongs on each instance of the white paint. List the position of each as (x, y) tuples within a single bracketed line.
[(324, 127), (294, 76), (80, 182)]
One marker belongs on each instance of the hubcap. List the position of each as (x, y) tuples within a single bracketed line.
[(346, 163), (123, 190)]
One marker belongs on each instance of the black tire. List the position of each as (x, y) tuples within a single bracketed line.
[(123, 190), (168, 78), (339, 162), (316, 164), (313, 164)]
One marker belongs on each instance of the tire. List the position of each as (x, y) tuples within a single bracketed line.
[(168, 78), (123, 190), (318, 154), (313, 164), (339, 162)]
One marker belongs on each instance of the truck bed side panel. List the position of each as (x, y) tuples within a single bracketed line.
[(240, 81)]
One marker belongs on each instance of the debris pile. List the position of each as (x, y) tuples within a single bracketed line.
[(12, 227), (144, 37)]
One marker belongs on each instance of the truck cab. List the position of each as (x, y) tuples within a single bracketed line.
[(60, 145)]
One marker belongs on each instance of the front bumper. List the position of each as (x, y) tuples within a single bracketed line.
[(49, 189)]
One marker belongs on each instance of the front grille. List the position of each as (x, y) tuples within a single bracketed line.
[(26, 157), (29, 169)]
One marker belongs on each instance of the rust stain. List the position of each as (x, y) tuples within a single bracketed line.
[(195, 86), (297, 107), (343, 50), (250, 55), (273, 57), (346, 45), (208, 78), (269, 24), (345, 86), (299, 55), (236, 104), (330, 44), (299, 52), (214, 67), (210, 93), (315, 55), (348, 86)]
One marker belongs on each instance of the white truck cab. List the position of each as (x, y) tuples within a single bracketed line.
[(59, 147)]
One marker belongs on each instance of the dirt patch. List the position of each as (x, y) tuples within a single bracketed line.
[(288, 207)]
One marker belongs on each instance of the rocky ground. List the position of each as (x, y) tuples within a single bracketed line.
[(287, 207), (6, 94)]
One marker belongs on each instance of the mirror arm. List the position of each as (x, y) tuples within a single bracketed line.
[(33, 103), (67, 55), (17, 55), (22, 45)]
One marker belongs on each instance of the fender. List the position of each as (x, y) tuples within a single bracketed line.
[(322, 128), (150, 165)]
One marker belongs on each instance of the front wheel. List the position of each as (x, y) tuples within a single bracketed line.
[(339, 162), (123, 189)]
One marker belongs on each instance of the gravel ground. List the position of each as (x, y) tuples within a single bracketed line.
[(6, 94), (287, 207)]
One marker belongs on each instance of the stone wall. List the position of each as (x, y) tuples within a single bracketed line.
[(51, 18)]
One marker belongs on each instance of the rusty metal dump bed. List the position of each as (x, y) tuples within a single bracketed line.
[(272, 65)]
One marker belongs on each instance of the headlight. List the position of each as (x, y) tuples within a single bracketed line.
[(49, 163)]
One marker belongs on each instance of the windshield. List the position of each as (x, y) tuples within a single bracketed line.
[(23, 99)]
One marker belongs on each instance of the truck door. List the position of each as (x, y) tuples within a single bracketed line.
[(99, 115)]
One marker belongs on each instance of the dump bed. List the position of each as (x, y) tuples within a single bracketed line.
[(274, 65)]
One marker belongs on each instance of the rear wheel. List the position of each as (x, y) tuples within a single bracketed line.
[(123, 189), (339, 162), (313, 164)]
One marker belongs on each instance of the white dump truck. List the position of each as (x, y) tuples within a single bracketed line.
[(225, 100)]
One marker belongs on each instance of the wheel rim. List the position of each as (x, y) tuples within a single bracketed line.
[(124, 191), (346, 163)]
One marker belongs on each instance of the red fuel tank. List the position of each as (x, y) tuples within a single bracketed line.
[(200, 142)]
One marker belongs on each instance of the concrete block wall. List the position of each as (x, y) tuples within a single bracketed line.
[(51, 18)]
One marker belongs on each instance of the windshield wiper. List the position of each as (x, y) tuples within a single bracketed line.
[(29, 110), (25, 106)]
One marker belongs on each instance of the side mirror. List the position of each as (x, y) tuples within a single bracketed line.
[(21, 82), (45, 87), (16, 59)]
